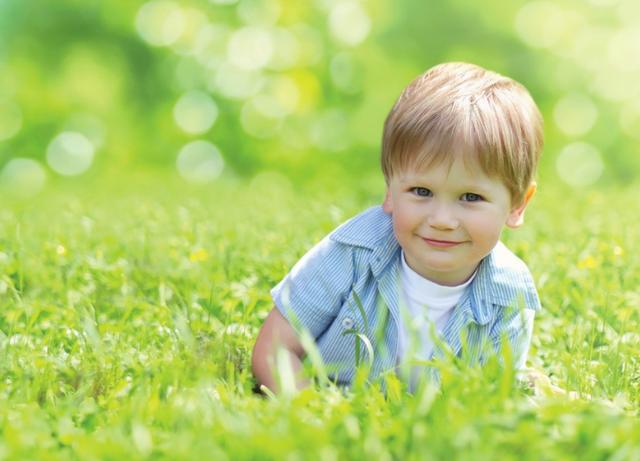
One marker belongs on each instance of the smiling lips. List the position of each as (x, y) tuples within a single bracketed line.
[(440, 243)]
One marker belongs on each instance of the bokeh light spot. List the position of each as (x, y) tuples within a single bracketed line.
[(200, 162), (615, 86), (624, 49), (279, 97), (589, 45), (160, 22), (540, 24), (210, 44), (579, 164), (235, 83), (70, 153), (349, 23), (10, 119), (330, 131), (195, 112), (260, 12), (193, 21), (575, 114), (286, 49), (628, 12), (23, 177), (250, 48)]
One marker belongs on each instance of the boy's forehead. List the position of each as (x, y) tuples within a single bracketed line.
[(463, 159)]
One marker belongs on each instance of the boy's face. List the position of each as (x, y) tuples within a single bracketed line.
[(448, 217)]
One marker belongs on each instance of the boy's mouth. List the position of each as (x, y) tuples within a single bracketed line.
[(440, 243)]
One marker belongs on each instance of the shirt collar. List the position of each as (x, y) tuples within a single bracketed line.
[(371, 229), (502, 279)]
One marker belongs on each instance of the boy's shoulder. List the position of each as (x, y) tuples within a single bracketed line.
[(503, 277), (370, 229), (370, 236)]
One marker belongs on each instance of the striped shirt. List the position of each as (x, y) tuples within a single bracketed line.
[(347, 289)]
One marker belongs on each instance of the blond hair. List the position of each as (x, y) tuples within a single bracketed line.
[(462, 109)]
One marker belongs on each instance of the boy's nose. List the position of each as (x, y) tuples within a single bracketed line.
[(441, 217)]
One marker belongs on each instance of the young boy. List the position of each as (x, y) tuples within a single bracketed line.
[(459, 153)]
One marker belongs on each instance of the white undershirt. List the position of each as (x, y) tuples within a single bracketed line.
[(426, 305)]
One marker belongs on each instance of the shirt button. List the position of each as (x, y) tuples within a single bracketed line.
[(347, 322)]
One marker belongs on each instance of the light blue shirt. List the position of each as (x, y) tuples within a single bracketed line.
[(350, 281)]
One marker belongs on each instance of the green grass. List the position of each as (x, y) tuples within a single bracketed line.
[(128, 313)]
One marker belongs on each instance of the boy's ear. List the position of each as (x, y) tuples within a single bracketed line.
[(516, 217), (387, 205)]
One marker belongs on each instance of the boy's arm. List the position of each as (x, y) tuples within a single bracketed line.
[(516, 326), (520, 358), (276, 333)]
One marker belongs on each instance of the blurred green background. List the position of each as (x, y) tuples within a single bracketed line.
[(279, 90)]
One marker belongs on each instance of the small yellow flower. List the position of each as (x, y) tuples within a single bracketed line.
[(618, 251), (198, 255), (588, 262), (61, 250)]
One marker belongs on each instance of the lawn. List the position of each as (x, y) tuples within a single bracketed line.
[(129, 307)]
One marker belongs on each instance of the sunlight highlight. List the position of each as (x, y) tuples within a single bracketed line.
[(200, 162), (624, 49), (235, 83), (604, 2), (575, 114), (615, 86), (279, 97), (160, 22), (260, 12), (195, 112), (540, 24), (286, 49), (193, 20), (579, 164), (70, 153), (250, 48), (210, 44), (23, 177), (330, 131), (349, 23)]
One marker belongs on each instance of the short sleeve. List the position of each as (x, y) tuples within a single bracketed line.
[(311, 295)]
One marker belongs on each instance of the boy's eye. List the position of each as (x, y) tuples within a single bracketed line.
[(422, 191), (471, 197)]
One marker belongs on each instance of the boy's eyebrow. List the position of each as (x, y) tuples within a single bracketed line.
[(419, 180)]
